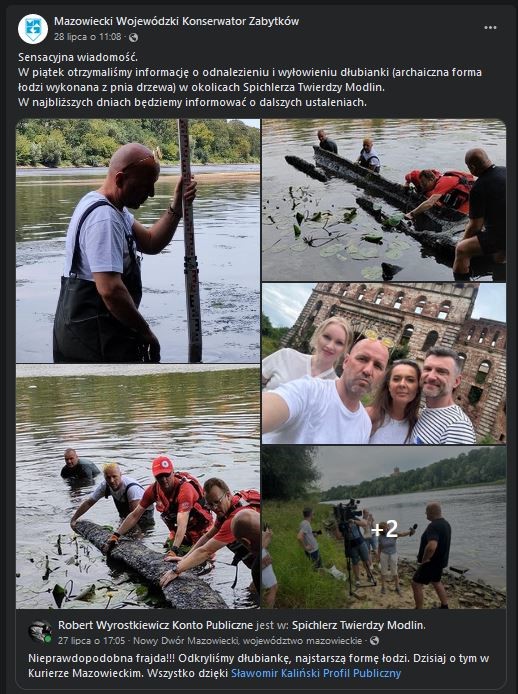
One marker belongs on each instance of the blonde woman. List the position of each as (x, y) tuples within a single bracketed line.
[(329, 344)]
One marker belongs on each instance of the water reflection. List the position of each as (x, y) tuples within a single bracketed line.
[(207, 422), (227, 246)]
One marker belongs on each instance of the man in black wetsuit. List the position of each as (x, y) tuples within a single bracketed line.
[(326, 143), (434, 552), (486, 229)]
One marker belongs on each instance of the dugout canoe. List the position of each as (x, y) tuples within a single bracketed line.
[(186, 592)]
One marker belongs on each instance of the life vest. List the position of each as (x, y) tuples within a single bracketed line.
[(242, 499), (459, 195), (365, 159), (123, 504), (200, 517)]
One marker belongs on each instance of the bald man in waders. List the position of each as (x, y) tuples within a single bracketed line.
[(97, 317)]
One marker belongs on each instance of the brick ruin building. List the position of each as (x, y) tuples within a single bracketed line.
[(420, 315)]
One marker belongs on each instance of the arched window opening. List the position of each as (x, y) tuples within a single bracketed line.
[(407, 335), (431, 339), (398, 301), (444, 310), (361, 293), (482, 372), (419, 307)]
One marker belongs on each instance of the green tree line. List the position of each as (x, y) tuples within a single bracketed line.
[(288, 472), (479, 466), (270, 337), (69, 142)]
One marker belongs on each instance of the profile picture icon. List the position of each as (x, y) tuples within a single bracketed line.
[(40, 632), (32, 28)]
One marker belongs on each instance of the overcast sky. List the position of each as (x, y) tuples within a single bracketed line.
[(354, 464), (283, 302)]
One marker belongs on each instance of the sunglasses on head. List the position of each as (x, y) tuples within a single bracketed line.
[(374, 336), (156, 155)]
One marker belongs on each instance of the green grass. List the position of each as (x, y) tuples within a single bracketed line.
[(301, 586)]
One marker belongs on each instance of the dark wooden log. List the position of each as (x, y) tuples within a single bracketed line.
[(443, 242), (307, 168), (435, 219), (186, 592)]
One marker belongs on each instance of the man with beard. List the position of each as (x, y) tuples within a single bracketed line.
[(179, 499), (226, 505), (441, 421), (316, 411)]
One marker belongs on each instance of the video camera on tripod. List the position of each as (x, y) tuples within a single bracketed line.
[(345, 516), (344, 513)]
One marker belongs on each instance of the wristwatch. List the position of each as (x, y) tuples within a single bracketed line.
[(175, 569)]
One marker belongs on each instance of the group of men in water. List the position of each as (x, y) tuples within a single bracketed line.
[(479, 193), (200, 520)]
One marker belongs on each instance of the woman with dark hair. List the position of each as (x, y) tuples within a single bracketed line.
[(395, 407), (329, 344)]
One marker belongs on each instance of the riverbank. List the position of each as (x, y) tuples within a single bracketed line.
[(462, 593), (201, 176), (301, 587)]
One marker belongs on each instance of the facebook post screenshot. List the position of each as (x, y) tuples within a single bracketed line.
[(260, 380)]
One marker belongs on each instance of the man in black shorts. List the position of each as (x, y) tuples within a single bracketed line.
[(485, 231), (434, 552)]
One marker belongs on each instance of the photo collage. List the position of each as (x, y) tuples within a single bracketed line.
[(232, 336)]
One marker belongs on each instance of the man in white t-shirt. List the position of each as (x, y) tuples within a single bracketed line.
[(315, 411), (125, 491), (97, 317), (441, 421)]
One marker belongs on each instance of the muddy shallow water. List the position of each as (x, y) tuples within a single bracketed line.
[(207, 422)]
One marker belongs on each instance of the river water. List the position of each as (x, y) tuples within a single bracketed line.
[(477, 518), (206, 421), (226, 215), (402, 145)]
